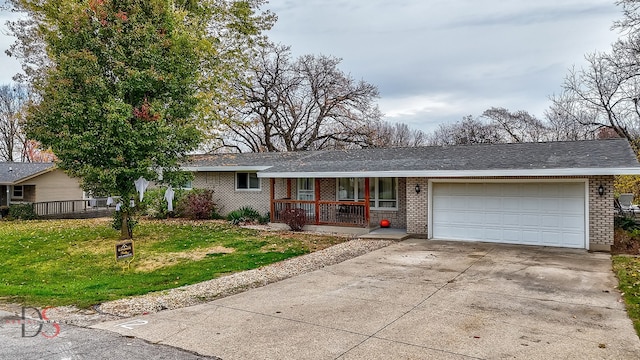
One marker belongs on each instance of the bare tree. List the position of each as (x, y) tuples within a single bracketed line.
[(566, 121), (605, 94), (467, 131), (385, 134), (302, 104), (519, 126), (13, 99)]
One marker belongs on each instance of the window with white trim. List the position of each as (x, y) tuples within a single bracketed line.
[(306, 189), (18, 192), (383, 192), (247, 181)]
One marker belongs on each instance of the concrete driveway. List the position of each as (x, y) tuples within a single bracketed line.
[(417, 299)]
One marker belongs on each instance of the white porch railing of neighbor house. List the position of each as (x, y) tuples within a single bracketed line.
[(52, 208)]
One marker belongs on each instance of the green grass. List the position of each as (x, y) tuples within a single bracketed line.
[(627, 269), (72, 262)]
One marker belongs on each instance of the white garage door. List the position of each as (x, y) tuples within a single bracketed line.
[(550, 214)]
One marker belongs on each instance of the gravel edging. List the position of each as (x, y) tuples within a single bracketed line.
[(217, 288)]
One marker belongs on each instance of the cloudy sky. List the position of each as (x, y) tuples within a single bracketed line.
[(436, 61)]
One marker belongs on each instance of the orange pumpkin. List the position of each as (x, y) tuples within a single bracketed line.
[(385, 223)]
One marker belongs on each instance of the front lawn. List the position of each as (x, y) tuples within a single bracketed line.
[(72, 262), (627, 269)]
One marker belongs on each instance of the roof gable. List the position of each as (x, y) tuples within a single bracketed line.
[(14, 172)]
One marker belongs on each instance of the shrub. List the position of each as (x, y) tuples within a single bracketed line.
[(154, 204), (249, 213), (196, 204), (22, 212), (216, 215), (264, 219), (244, 214), (235, 217), (4, 211), (296, 218), (625, 223)]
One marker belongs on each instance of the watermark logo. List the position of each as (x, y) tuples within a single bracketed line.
[(35, 322)]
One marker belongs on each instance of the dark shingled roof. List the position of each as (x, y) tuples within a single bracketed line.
[(12, 172), (244, 159), (587, 154), (614, 153)]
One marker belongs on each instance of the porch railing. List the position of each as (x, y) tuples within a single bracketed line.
[(47, 208), (309, 207), (341, 213)]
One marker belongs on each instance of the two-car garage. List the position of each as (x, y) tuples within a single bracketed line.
[(532, 213)]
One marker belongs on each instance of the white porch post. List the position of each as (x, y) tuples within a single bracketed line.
[(8, 195)]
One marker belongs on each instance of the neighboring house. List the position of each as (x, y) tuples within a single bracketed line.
[(551, 194), (36, 182)]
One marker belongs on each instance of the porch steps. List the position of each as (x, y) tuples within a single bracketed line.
[(386, 234)]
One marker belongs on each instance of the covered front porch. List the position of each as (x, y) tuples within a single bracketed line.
[(320, 202)]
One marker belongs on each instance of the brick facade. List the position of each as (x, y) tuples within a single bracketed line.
[(601, 213), (227, 198), (417, 216), (412, 212)]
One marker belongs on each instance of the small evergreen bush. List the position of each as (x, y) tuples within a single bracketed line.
[(244, 214), (264, 219), (249, 213), (235, 217), (625, 223), (22, 212)]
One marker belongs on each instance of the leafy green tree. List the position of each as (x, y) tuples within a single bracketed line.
[(120, 85)]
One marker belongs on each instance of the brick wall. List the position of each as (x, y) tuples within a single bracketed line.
[(328, 189), (226, 196), (416, 206), (601, 213)]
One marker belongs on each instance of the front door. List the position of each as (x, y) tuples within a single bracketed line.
[(306, 191), (3, 195)]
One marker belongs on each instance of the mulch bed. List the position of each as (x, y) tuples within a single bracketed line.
[(625, 242)]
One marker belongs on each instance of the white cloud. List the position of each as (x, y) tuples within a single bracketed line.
[(413, 105), (439, 60)]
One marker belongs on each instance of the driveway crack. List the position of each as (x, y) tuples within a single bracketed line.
[(374, 335)]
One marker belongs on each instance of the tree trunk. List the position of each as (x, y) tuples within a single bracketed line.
[(125, 231)]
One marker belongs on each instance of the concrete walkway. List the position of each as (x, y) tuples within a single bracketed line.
[(386, 234), (417, 299)]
